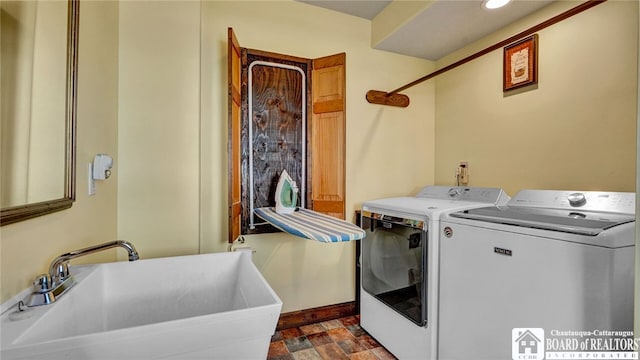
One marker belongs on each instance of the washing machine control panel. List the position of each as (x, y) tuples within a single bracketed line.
[(618, 202), (463, 193)]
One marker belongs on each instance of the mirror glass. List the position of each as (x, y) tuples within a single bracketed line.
[(38, 63)]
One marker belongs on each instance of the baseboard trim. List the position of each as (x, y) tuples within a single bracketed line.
[(314, 315)]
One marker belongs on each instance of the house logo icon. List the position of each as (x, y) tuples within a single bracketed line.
[(527, 344)]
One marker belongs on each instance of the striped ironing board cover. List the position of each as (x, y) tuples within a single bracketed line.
[(312, 225)]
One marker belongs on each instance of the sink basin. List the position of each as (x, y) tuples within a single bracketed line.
[(214, 306)]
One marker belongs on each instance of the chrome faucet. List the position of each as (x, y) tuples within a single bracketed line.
[(47, 287)]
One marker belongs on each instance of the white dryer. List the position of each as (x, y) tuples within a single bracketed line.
[(555, 260), (399, 265)]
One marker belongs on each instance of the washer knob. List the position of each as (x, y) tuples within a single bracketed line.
[(577, 199), (454, 192)]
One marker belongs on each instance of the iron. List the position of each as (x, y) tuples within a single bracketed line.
[(286, 194)]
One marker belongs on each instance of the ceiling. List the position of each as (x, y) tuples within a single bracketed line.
[(366, 9), (441, 28)]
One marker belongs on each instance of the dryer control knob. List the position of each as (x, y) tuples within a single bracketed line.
[(577, 199)]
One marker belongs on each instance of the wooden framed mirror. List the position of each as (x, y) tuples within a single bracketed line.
[(38, 112)]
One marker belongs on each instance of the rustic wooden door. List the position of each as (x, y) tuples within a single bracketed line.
[(328, 133), (326, 136), (235, 128)]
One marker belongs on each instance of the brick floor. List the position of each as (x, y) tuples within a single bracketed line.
[(329, 340)]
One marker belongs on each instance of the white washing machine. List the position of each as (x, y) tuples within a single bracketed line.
[(551, 260), (399, 265)]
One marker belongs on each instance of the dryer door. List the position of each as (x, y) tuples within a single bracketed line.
[(393, 264)]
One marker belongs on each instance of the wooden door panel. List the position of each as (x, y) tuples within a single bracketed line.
[(235, 128), (328, 134)]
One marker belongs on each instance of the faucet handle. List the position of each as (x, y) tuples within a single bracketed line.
[(61, 273), (42, 284)]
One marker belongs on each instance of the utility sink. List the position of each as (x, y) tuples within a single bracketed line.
[(199, 306)]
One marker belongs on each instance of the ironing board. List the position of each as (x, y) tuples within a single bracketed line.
[(312, 225)]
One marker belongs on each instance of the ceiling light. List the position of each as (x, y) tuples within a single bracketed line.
[(494, 4)]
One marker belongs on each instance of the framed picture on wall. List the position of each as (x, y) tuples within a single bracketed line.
[(520, 67)]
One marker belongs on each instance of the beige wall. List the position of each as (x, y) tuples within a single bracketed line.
[(34, 37), (172, 139), (153, 95), (577, 130), (159, 126), (389, 150), (637, 284), (28, 247), (46, 137), (17, 25)]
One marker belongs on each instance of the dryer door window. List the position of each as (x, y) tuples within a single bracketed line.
[(393, 259)]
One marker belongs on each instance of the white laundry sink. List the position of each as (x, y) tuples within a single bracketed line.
[(213, 306)]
